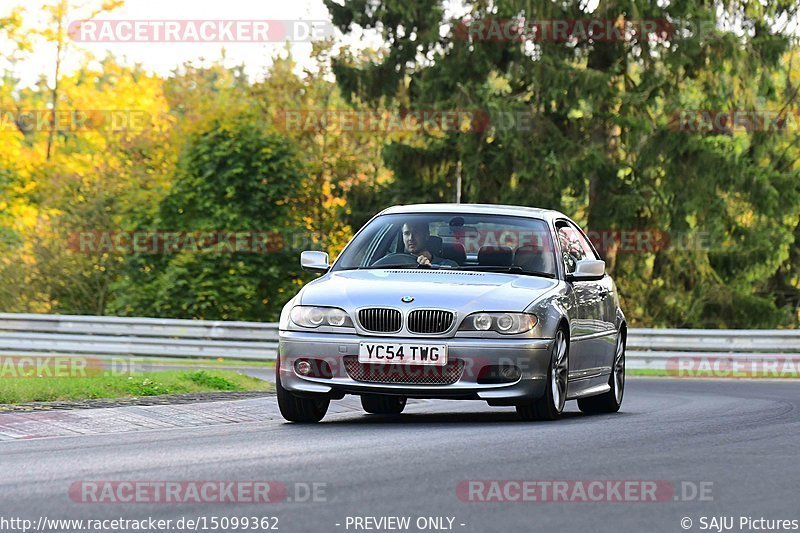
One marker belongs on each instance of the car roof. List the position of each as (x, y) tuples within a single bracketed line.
[(475, 209)]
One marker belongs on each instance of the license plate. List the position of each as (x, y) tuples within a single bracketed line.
[(402, 353)]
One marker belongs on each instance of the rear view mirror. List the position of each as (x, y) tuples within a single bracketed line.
[(588, 270), (314, 261)]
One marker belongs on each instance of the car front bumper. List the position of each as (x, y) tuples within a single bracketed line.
[(531, 356)]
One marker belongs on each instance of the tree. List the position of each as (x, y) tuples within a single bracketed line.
[(232, 176), (603, 146), (59, 16), (344, 165), (112, 167)]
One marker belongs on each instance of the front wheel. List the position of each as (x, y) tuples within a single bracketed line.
[(297, 409), (609, 402), (383, 405), (551, 404)]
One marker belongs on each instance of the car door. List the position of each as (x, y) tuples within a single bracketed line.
[(605, 313), (609, 318), (588, 347)]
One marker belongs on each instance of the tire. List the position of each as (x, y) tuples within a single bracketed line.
[(609, 402), (297, 409), (378, 404), (551, 404)]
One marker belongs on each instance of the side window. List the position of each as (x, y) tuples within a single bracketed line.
[(574, 246), (382, 244)]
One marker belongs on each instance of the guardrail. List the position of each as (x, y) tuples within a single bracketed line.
[(34, 334), (656, 348)]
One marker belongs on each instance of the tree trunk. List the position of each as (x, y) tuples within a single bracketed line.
[(54, 93)]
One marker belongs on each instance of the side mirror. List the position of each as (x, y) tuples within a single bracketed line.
[(314, 261), (588, 270)]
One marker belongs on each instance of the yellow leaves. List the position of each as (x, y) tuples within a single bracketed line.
[(25, 216), (746, 219), (333, 202), (498, 84), (308, 222), (740, 209)]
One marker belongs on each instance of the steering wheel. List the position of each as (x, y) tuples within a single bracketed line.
[(396, 259)]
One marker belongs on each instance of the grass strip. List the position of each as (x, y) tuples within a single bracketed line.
[(34, 389)]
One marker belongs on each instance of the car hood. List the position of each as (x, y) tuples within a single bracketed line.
[(462, 291)]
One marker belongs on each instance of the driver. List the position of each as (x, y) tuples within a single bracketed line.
[(415, 240)]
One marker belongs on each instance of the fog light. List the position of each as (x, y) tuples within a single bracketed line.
[(303, 367), (497, 374), (510, 373)]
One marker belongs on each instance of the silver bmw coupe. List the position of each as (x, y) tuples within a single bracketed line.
[(510, 305)]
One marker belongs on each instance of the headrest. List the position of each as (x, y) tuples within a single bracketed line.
[(535, 258), (454, 251), (435, 245), (495, 256)]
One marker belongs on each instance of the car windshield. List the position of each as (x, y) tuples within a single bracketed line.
[(489, 243)]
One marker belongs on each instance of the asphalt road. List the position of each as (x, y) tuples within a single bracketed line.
[(738, 441)]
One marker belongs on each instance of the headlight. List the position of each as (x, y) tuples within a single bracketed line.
[(505, 323), (337, 317), (482, 322), (309, 316)]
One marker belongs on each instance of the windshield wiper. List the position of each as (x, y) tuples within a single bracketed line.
[(390, 265), (512, 269), (400, 265)]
